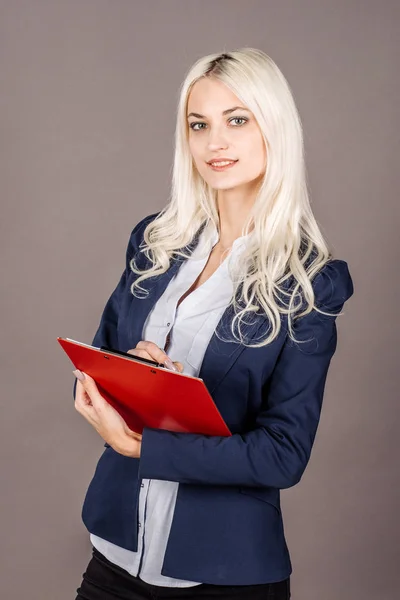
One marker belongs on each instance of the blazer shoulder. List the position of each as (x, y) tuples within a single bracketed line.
[(137, 234), (333, 285)]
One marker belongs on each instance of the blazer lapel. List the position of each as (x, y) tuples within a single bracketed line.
[(156, 286), (221, 355)]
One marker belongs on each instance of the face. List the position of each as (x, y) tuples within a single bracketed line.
[(222, 128)]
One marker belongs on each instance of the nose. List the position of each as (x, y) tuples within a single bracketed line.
[(216, 139)]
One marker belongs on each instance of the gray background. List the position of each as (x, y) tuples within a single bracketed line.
[(88, 91)]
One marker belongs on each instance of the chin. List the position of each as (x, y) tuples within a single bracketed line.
[(224, 187), (227, 185)]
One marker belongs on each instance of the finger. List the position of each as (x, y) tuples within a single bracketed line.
[(90, 389), (159, 356), (85, 410), (81, 397), (89, 414), (179, 366), (153, 350), (156, 354), (140, 353)]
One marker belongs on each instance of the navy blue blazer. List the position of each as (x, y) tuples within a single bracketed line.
[(227, 527)]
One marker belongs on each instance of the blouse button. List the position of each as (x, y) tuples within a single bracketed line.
[(168, 324)]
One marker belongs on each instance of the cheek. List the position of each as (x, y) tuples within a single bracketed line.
[(256, 152), (195, 148), (197, 156)]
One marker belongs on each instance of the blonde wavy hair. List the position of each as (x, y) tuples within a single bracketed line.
[(286, 248)]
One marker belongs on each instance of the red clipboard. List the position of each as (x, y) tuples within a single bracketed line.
[(146, 395)]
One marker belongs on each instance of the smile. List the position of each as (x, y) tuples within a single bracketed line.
[(222, 165)]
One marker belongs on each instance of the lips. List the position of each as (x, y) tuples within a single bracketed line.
[(221, 159), (218, 165)]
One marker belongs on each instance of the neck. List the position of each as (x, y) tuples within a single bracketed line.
[(233, 209)]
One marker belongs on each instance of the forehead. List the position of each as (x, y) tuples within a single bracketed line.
[(211, 95)]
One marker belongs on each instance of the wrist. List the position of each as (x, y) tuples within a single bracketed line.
[(128, 446)]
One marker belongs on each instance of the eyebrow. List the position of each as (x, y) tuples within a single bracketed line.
[(225, 112)]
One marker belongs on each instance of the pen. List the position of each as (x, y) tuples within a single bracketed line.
[(167, 363)]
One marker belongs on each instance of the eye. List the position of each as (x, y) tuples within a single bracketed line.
[(239, 119), (193, 125)]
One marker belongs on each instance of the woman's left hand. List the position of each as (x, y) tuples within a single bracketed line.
[(104, 418), (150, 350)]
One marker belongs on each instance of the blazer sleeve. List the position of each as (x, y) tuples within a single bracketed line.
[(276, 452)]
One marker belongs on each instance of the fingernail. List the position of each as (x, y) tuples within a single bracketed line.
[(79, 375), (169, 364)]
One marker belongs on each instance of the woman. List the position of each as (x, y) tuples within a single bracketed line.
[(234, 282)]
